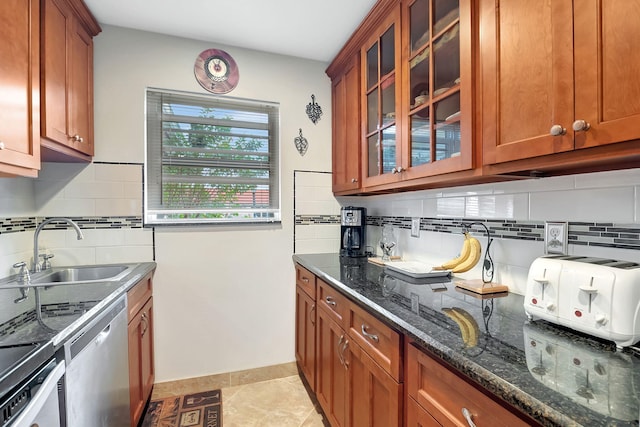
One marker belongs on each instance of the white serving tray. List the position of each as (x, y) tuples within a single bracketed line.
[(416, 269)]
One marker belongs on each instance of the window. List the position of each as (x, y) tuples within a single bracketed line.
[(210, 159)]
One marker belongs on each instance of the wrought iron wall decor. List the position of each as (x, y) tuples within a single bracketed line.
[(301, 143), (314, 111)]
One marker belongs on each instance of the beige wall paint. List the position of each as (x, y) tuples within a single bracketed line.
[(224, 297)]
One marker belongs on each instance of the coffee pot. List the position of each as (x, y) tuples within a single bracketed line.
[(352, 231)]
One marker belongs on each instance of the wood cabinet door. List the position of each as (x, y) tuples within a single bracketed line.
[(19, 87), (373, 396), (417, 416), (306, 335), (147, 356), (141, 360), (437, 105), (346, 129), (380, 99), (526, 78), (331, 375), (67, 80), (81, 89), (607, 60)]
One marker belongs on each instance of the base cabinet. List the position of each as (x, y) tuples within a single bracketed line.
[(357, 383), (141, 361), (448, 399), (306, 335)]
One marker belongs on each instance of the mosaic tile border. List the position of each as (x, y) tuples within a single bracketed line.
[(607, 235), (317, 219), (17, 225)]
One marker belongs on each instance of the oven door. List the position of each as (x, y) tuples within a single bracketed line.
[(44, 406)]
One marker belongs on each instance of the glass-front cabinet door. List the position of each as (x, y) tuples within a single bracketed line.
[(437, 101), (380, 83)]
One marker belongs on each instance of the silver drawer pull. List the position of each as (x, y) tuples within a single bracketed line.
[(305, 280), (372, 337), (467, 416), (330, 301), (340, 349)]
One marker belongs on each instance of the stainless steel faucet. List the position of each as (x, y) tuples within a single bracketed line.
[(36, 266)]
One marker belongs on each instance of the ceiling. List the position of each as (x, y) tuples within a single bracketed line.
[(302, 28)]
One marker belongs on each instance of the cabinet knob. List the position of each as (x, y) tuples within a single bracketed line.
[(557, 130), (78, 138), (1, 145), (397, 169), (354, 180), (581, 125), (330, 301)]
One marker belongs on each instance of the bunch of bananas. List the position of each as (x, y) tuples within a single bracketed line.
[(468, 258), (467, 324)]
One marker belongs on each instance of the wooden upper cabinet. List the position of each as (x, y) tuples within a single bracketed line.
[(607, 36), (67, 80), (557, 76), (437, 103), (380, 98), (346, 128), (19, 88)]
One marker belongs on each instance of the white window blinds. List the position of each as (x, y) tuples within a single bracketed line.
[(210, 159)]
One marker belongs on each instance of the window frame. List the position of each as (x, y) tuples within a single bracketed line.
[(154, 215)]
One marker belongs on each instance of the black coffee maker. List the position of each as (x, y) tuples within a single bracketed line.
[(352, 231)]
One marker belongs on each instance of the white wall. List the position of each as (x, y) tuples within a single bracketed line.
[(224, 297)]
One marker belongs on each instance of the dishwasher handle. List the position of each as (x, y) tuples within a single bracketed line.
[(48, 387), (96, 331)]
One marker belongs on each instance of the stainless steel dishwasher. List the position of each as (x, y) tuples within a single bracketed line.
[(97, 377)]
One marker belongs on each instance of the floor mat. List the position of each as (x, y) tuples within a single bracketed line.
[(190, 410)]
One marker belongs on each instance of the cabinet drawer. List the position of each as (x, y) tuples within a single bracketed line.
[(333, 302), (139, 294), (306, 280), (444, 395), (379, 341)]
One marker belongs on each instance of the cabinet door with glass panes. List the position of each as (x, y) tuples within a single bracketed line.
[(380, 59), (437, 98)]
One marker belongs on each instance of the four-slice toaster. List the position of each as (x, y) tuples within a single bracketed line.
[(597, 296)]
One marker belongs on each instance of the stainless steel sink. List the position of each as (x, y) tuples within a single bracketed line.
[(82, 274)]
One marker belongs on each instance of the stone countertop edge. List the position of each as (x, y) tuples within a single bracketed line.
[(129, 281), (484, 378)]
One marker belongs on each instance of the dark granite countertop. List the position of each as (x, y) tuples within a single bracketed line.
[(556, 376)]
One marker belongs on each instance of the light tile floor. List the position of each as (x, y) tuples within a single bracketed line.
[(266, 397)]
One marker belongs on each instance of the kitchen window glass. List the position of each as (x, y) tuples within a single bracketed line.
[(210, 160)]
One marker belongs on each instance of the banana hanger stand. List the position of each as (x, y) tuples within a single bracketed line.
[(486, 285)]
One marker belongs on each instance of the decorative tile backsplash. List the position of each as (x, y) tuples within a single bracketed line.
[(580, 233), (16, 225)]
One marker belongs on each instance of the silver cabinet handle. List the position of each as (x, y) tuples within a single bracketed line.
[(312, 318), (397, 169), (146, 323), (305, 280), (354, 180), (372, 337), (557, 130), (1, 145), (330, 301), (467, 416), (581, 125), (78, 138), (339, 350), (344, 348)]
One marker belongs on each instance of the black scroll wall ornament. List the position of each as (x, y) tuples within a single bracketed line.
[(314, 111), (301, 143)]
